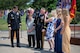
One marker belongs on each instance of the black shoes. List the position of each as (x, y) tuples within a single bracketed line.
[(28, 46), (39, 48), (18, 46), (12, 46)]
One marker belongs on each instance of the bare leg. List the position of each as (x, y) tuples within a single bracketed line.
[(52, 41), (49, 41)]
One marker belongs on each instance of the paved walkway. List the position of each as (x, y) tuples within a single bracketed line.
[(5, 46)]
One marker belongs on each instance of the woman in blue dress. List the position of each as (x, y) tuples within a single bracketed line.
[(58, 35)]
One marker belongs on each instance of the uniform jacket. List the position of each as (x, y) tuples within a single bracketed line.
[(14, 20)]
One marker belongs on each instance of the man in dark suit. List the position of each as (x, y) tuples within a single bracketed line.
[(39, 23), (14, 24)]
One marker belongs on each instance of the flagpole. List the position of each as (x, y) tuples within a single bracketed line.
[(74, 27)]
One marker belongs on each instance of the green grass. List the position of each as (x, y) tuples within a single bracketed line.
[(23, 20), (4, 25)]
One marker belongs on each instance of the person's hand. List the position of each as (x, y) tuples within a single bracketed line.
[(9, 28), (20, 26), (45, 15), (29, 31), (55, 30), (43, 30), (62, 32)]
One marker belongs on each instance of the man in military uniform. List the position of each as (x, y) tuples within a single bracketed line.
[(14, 23), (39, 21)]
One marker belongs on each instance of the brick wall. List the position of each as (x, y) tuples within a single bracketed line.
[(75, 40), (75, 27)]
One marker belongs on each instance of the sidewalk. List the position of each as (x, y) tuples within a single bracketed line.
[(5, 46)]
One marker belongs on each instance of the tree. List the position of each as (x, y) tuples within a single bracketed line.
[(48, 4), (78, 5), (5, 4)]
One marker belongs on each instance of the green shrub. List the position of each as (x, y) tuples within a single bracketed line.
[(76, 20)]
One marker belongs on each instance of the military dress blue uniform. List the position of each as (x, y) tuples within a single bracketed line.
[(39, 23), (14, 22)]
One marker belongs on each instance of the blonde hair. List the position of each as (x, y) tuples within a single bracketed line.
[(65, 12), (53, 13), (29, 8), (43, 9), (59, 11)]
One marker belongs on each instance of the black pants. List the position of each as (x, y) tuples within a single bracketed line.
[(39, 39), (17, 36), (31, 40)]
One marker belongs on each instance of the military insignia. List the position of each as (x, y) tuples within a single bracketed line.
[(12, 17), (17, 13), (42, 17)]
